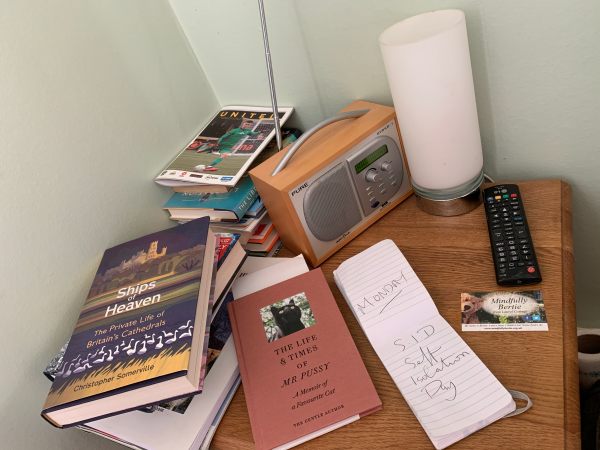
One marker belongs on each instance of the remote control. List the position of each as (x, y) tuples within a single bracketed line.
[(512, 248)]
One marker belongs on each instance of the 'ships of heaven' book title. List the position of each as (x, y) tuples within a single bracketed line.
[(141, 334)]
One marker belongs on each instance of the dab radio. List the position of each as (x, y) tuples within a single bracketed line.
[(350, 171)]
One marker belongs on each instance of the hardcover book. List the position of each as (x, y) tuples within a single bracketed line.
[(230, 257), (222, 152), (141, 336), (301, 371), (230, 205)]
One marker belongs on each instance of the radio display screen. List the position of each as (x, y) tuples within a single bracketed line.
[(366, 162)]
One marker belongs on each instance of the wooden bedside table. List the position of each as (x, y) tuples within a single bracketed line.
[(452, 255)]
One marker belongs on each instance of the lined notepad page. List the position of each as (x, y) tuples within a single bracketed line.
[(450, 391)]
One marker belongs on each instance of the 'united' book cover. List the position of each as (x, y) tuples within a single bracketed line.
[(141, 336)]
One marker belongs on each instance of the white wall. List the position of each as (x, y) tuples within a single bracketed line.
[(95, 98), (536, 67)]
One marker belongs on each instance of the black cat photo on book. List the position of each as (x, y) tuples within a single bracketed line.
[(286, 317)]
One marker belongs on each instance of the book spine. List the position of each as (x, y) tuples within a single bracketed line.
[(246, 203)]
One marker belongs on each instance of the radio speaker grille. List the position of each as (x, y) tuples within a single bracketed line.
[(330, 208)]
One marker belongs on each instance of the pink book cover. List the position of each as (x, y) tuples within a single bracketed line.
[(300, 368)]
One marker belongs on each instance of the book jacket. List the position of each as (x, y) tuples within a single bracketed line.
[(137, 322), (237, 201), (300, 368)]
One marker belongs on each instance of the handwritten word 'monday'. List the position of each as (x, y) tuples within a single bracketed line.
[(384, 296)]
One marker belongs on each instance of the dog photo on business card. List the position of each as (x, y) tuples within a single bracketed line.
[(287, 316)]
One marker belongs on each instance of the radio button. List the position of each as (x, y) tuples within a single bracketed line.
[(372, 176), (385, 166)]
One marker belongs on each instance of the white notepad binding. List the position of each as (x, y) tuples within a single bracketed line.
[(450, 391)]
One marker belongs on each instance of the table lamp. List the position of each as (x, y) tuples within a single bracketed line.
[(428, 68)]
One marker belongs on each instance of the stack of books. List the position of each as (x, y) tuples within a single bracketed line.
[(265, 241), (209, 175), (149, 363), (283, 337)]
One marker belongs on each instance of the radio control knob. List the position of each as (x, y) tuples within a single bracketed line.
[(372, 176), (386, 166)]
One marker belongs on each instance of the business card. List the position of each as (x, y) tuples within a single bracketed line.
[(503, 311)]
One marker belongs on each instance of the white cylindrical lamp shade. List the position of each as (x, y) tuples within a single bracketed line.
[(428, 67)]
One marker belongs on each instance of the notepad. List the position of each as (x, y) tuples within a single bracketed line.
[(448, 388)]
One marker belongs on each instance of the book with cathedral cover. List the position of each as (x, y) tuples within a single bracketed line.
[(141, 336)]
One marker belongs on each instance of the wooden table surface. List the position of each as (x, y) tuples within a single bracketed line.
[(452, 255)]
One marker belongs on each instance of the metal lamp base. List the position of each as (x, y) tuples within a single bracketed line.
[(453, 202)]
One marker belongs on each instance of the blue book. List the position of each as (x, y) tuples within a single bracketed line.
[(226, 206), (256, 209)]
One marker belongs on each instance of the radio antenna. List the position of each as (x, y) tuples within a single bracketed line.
[(263, 25)]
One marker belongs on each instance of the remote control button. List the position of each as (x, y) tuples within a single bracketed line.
[(521, 233), (497, 235), (513, 195), (531, 269), (520, 264), (511, 265)]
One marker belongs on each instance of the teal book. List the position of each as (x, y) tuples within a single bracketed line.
[(225, 206)]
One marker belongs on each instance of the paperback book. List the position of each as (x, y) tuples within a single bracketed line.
[(228, 206), (142, 333), (223, 150)]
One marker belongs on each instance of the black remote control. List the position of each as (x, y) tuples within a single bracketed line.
[(512, 248)]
